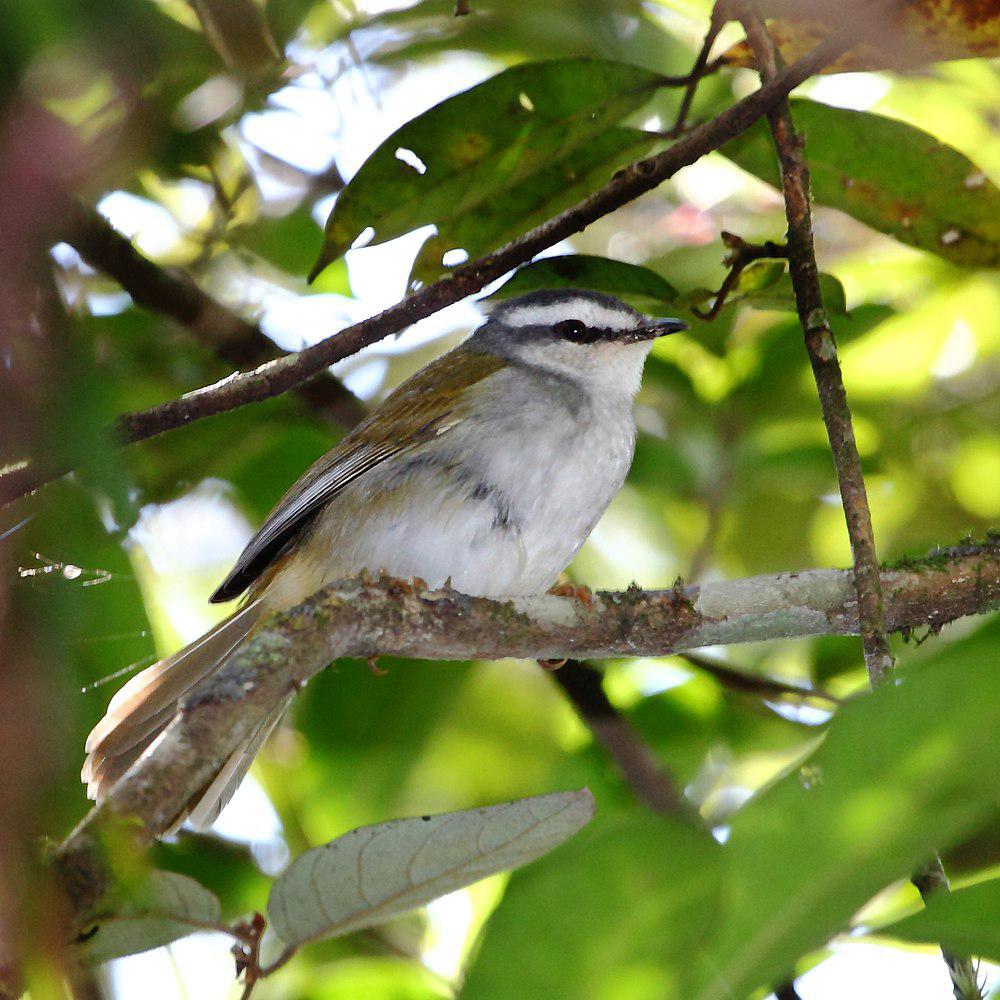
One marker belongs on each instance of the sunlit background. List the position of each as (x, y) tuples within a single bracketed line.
[(732, 475)]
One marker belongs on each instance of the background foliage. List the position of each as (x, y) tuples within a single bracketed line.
[(219, 158)]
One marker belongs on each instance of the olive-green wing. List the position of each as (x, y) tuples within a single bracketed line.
[(422, 408)]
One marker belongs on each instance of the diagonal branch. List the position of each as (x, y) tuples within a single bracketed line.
[(644, 774), (822, 349), (279, 376), (363, 618)]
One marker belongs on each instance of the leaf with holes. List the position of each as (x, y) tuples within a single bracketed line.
[(891, 176), (377, 872), (967, 921), (639, 286), (167, 906), (463, 154)]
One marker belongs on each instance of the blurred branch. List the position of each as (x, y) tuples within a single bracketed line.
[(644, 774), (175, 294), (740, 255), (282, 374), (756, 684), (822, 350), (362, 618), (787, 991)]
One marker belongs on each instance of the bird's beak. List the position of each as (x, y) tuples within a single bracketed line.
[(656, 328)]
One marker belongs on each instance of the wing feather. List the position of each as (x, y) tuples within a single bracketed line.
[(422, 408)]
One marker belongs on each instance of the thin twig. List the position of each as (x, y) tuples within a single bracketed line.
[(740, 255), (699, 70), (644, 774), (363, 617), (281, 375), (755, 684), (822, 349)]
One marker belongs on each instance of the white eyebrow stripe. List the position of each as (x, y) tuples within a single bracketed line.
[(591, 313)]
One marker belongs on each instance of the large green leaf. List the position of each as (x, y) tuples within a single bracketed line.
[(901, 772), (616, 913), (540, 196), (637, 285), (966, 921), (472, 148), (892, 176), (371, 874)]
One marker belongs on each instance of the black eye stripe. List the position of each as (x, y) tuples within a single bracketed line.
[(578, 332)]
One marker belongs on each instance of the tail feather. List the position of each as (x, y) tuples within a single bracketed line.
[(160, 685), (144, 707), (215, 798)]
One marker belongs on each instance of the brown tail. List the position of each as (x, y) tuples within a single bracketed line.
[(142, 709)]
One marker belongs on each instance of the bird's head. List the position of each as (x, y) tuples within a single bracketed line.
[(594, 338)]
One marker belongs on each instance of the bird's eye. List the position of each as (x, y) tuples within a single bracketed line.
[(573, 329)]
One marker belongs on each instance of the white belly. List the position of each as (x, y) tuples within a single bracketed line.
[(498, 511)]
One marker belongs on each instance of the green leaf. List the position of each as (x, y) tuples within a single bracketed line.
[(377, 872), (616, 913), (966, 921), (891, 176), (557, 186), (900, 773), (166, 907), (639, 286), (471, 148)]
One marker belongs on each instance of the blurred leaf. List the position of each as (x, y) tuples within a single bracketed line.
[(377, 872), (166, 907), (967, 921), (893, 177), (901, 772), (225, 868), (368, 978), (616, 913), (928, 31), (473, 147), (639, 286), (542, 195)]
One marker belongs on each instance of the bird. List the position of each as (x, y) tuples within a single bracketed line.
[(485, 471)]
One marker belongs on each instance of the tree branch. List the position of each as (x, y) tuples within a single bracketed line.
[(822, 349), (363, 618), (282, 374), (739, 256), (644, 774)]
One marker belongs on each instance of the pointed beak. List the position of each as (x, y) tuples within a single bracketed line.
[(656, 328)]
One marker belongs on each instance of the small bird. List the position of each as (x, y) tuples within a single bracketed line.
[(487, 469)]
